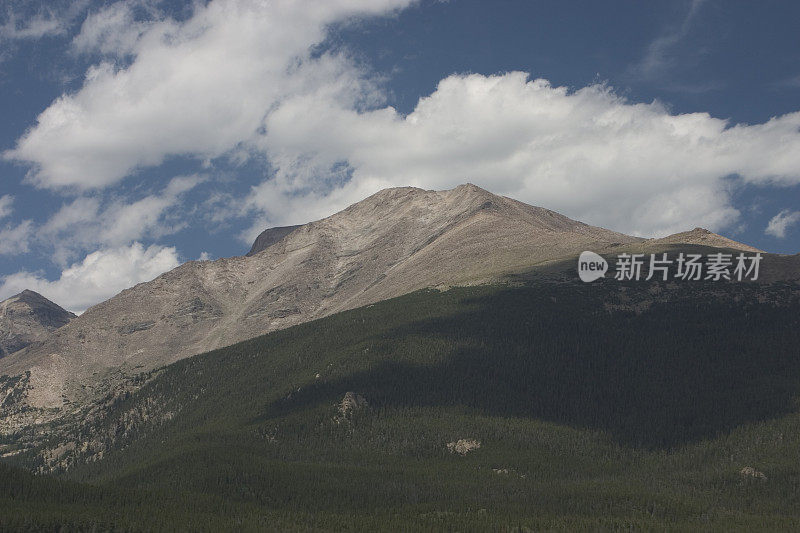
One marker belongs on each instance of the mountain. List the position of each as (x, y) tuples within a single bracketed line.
[(432, 362), (26, 318), (453, 411), (392, 243)]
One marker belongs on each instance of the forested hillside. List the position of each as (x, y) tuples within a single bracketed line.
[(611, 405)]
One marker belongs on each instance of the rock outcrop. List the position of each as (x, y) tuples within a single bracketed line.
[(463, 446), (268, 237), (751, 473)]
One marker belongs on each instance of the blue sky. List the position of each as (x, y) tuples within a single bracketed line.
[(137, 135)]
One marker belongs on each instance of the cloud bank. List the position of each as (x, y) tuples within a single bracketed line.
[(200, 87), (240, 78), (588, 153), (251, 80)]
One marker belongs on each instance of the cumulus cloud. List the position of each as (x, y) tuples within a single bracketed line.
[(781, 222), (239, 77), (99, 276), (87, 222), (588, 153), (200, 87)]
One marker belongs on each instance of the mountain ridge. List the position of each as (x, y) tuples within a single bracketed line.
[(394, 242)]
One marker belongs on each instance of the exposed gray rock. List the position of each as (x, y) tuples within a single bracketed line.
[(463, 446), (268, 237), (750, 472), (26, 318)]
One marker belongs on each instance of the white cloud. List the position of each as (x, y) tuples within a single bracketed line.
[(16, 239), (99, 276), (200, 87), (588, 153), (781, 222), (5, 205), (86, 222), (237, 78), (124, 222)]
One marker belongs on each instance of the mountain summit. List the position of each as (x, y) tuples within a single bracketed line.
[(392, 243), (28, 317)]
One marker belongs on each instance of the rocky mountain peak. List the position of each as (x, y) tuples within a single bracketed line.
[(26, 318), (386, 204)]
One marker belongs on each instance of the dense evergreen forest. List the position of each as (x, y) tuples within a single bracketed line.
[(605, 406)]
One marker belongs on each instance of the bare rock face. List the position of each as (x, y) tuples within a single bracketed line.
[(26, 318), (268, 237), (392, 243)]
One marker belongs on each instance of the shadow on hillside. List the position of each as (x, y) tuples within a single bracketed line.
[(674, 374)]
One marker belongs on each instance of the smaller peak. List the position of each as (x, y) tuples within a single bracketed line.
[(472, 189), (704, 237), (470, 192), (28, 295), (469, 187)]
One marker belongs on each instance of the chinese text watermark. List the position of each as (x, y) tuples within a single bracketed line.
[(688, 267)]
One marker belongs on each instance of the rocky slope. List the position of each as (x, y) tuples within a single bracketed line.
[(26, 318), (392, 243)]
